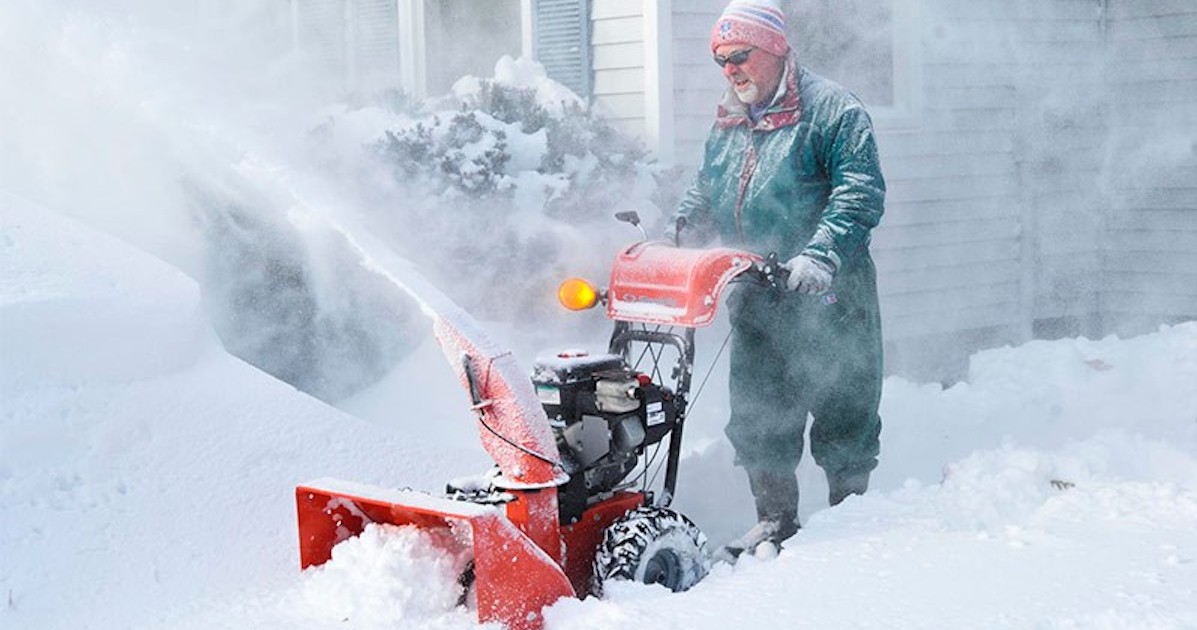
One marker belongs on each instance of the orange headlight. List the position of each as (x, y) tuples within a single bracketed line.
[(577, 294)]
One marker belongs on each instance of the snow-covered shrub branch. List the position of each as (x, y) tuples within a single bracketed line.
[(515, 180), (496, 191)]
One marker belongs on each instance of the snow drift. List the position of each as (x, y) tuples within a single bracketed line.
[(146, 477)]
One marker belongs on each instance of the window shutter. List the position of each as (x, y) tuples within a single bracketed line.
[(320, 26), (562, 33), (377, 43)]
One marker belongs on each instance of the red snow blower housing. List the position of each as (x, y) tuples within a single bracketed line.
[(563, 514)]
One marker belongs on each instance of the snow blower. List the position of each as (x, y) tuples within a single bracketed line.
[(562, 514)]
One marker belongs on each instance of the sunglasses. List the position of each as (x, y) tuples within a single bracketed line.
[(737, 58)]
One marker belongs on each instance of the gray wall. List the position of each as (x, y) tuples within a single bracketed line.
[(1047, 184), (993, 226), (1150, 159)]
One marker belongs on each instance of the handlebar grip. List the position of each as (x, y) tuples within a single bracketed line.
[(677, 231), (771, 271)]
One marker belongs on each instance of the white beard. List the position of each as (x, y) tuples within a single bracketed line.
[(749, 94)]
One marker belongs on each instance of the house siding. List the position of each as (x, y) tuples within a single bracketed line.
[(1041, 158), (1151, 244), (697, 83), (618, 31), (1050, 185), (1024, 107), (1042, 182), (618, 48), (948, 250)]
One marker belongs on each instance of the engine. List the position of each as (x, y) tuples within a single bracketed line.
[(604, 415)]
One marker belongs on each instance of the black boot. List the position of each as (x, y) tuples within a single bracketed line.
[(776, 495), (840, 485)]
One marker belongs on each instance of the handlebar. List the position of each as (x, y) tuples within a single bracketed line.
[(768, 272), (771, 273)]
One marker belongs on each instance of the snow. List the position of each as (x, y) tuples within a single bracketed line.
[(139, 463), (146, 481), (147, 476), (521, 72), (387, 575)]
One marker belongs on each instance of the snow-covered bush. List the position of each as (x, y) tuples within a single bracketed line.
[(466, 156), (496, 192), (517, 180)]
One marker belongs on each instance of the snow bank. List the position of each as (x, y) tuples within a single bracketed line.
[(146, 482), (144, 473), (387, 575), (1097, 534), (1045, 393), (65, 297)]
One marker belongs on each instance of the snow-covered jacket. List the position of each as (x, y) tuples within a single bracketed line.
[(804, 178)]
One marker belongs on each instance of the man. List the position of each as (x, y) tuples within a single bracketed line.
[(791, 167)]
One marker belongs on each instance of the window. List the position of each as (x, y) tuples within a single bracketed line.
[(866, 45), (467, 37), (355, 43)]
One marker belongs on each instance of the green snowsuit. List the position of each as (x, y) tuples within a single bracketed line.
[(804, 178)]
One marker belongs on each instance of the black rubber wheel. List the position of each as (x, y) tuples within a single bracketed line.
[(652, 545)]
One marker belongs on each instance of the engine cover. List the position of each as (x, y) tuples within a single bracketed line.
[(603, 414)]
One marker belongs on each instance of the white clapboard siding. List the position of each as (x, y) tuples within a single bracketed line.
[(940, 211), (891, 259), (965, 184), (618, 49), (620, 55), (921, 330), (1058, 130), (952, 142), (1151, 243), (1151, 28), (697, 82), (1127, 9), (1020, 10)]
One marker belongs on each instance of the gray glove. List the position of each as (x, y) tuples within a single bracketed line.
[(808, 276)]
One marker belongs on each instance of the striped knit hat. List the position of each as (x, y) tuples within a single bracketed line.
[(758, 23)]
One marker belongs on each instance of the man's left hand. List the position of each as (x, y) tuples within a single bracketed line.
[(808, 276)]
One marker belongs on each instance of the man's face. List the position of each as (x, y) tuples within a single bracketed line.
[(756, 77)]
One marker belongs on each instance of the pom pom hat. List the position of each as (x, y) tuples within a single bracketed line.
[(757, 23)]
